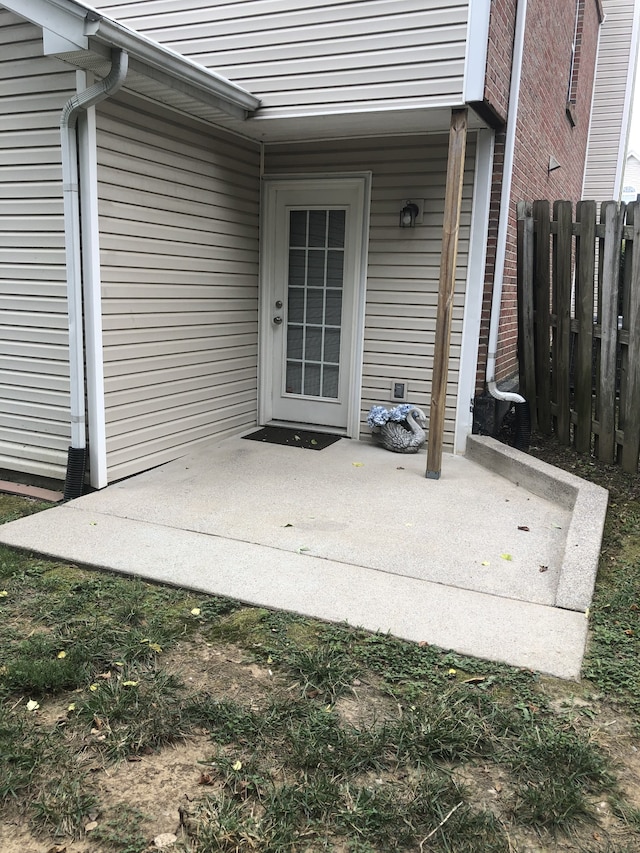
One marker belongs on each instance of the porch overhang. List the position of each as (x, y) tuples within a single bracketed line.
[(278, 127)]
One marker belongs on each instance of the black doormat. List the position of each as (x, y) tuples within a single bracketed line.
[(293, 437)]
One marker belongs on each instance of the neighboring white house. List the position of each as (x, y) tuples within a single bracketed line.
[(631, 181), (612, 101)]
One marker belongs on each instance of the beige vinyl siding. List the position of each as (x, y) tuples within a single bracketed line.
[(34, 375), (610, 98), (403, 264), (178, 209), (306, 56)]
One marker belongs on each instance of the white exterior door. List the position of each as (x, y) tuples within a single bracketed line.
[(313, 301)]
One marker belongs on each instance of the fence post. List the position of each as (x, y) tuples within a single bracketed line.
[(542, 217), (526, 349), (585, 270), (613, 218), (630, 405), (562, 214)]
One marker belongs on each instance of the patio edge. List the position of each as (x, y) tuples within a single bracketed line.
[(586, 501)]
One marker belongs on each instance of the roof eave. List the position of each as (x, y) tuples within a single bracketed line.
[(71, 27), (167, 64)]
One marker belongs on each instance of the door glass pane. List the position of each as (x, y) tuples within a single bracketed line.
[(294, 342), (294, 377), (332, 346), (312, 379), (297, 267), (333, 308), (334, 268), (298, 228), (330, 381), (313, 345), (335, 237), (314, 300), (315, 262), (296, 304), (315, 305), (318, 228)]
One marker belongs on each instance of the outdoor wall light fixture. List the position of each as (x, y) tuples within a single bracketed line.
[(408, 215), (553, 164)]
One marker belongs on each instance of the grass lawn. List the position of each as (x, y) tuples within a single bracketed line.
[(135, 717)]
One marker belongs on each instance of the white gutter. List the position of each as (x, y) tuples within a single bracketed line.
[(233, 99), (69, 146), (505, 204), (73, 26)]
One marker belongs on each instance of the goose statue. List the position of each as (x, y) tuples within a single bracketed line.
[(404, 435)]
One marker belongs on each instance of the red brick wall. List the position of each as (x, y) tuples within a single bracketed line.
[(543, 129)]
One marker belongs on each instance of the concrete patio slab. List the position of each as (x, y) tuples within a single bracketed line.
[(474, 561)]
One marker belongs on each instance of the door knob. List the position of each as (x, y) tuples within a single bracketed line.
[(277, 320)]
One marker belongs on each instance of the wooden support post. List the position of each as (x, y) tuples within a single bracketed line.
[(452, 204)]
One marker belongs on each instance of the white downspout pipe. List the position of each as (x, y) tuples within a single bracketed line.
[(505, 201), (70, 187)]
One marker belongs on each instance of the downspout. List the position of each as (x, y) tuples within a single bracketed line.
[(77, 454), (505, 199)]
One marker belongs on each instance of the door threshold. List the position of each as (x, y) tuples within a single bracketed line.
[(341, 431)]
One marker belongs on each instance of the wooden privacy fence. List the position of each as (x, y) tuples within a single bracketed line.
[(579, 324)]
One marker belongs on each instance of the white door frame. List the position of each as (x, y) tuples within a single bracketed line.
[(360, 182)]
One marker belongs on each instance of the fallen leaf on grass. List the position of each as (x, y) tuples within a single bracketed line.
[(195, 611), (205, 779), (129, 683), (32, 705), (91, 826), (61, 655), (3, 593), (237, 765)]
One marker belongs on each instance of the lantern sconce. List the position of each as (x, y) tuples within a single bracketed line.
[(409, 215)]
